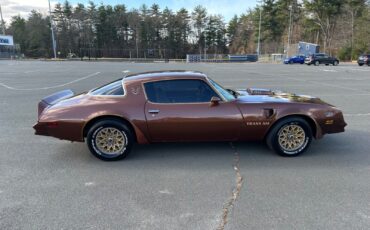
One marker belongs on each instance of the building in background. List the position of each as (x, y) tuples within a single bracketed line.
[(305, 48), (8, 49)]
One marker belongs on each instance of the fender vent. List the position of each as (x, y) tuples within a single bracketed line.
[(268, 113)]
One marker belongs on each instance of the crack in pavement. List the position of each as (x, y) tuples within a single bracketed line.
[(235, 192)]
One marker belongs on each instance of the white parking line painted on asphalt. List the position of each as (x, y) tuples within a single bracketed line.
[(362, 70), (50, 87), (357, 114), (89, 184), (329, 70), (326, 84), (31, 71), (166, 191)]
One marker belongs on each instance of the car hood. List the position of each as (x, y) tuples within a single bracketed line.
[(256, 95)]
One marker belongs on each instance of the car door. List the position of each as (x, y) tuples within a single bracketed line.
[(180, 110), (320, 58), (326, 59)]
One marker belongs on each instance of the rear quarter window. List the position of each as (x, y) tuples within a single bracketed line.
[(114, 89)]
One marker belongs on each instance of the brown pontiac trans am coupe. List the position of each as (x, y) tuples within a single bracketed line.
[(172, 106)]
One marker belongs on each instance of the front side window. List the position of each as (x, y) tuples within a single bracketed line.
[(114, 89), (179, 91)]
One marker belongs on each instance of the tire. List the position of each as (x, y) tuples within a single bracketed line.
[(116, 140), (335, 63), (290, 62), (316, 63), (326, 64), (277, 137), (360, 64)]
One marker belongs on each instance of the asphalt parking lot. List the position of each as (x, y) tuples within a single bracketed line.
[(46, 183)]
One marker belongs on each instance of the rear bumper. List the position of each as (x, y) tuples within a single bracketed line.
[(65, 130)]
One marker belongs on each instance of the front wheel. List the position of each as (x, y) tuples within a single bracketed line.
[(317, 63), (335, 63), (110, 140), (360, 64), (290, 137)]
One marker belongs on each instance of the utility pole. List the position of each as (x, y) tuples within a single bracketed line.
[(52, 33), (2, 20), (136, 42), (290, 25), (205, 48), (259, 33)]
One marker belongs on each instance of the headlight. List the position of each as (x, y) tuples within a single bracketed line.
[(329, 114)]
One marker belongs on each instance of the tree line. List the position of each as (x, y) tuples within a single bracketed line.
[(340, 27)]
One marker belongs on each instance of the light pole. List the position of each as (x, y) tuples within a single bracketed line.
[(2, 21), (290, 23), (259, 33), (52, 33), (136, 43)]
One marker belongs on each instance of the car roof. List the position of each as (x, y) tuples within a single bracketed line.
[(168, 74)]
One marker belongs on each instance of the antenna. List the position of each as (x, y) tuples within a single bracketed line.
[(2, 20)]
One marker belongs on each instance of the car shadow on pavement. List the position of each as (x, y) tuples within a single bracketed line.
[(337, 149)]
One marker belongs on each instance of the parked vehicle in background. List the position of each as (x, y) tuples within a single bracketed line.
[(364, 60), (321, 58), (295, 59)]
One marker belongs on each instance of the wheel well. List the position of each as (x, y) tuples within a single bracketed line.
[(90, 123), (309, 120)]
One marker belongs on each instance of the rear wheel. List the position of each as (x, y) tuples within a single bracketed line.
[(110, 140), (290, 137), (317, 63), (361, 64)]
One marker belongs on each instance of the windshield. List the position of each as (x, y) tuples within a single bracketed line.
[(228, 96)]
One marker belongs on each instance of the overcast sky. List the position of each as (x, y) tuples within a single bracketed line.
[(227, 8)]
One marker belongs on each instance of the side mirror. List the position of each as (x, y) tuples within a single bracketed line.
[(215, 101)]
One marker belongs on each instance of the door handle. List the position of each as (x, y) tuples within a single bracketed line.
[(153, 111)]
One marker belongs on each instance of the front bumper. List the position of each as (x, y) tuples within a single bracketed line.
[(363, 62), (335, 124)]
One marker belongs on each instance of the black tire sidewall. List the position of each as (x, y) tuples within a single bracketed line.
[(274, 142), (91, 135)]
